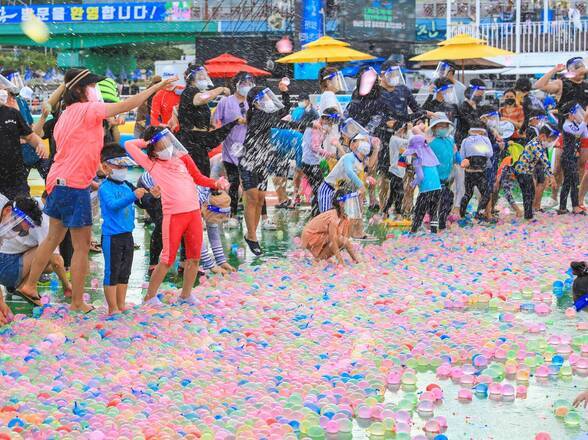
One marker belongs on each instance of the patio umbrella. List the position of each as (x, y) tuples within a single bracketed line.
[(326, 50), (465, 50), (227, 66)]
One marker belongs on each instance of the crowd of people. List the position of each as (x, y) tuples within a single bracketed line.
[(207, 155)]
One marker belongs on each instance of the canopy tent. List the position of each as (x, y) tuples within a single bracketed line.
[(326, 50), (227, 66)]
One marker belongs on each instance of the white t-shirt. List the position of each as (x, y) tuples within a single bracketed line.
[(19, 245)]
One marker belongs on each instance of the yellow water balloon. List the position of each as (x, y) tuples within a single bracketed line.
[(35, 29)]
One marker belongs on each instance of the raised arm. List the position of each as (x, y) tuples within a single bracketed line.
[(134, 147), (205, 97), (546, 83), (113, 109)]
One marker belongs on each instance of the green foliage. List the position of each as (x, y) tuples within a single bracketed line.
[(146, 54), (33, 59)]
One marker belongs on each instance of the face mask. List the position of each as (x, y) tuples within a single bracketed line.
[(202, 84), (509, 101), (3, 97), (477, 99), (394, 81), (120, 175), (92, 94), (244, 90), (442, 132), (166, 154)]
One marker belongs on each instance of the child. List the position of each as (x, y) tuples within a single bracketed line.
[(216, 208), (574, 129), (476, 150), (151, 202), (176, 174), (580, 286), (313, 151), (397, 171), (425, 165), (117, 199), (443, 145), (505, 177), (328, 233)]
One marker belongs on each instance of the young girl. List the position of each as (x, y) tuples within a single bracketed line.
[(176, 174), (425, 165), (328, 233)]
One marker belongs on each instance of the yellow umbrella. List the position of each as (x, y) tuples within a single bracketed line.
[(469, 50), (326, 50)]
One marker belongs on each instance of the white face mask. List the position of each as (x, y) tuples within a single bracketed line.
[(166, 154), (92, 94), (202, 84), (394, 81), (120, 175), (244, 90), (3, 97)]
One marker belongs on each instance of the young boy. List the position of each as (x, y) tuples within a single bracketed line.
[(476, 150), (117, 199), (397, 171)]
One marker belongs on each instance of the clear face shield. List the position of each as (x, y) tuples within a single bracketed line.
[(491, 119), (338, 81), (200, 78), (15, 223), (267, 101), (245, 85), (448, 94), (578, 113), (575, 67), (442, 70), (351, 205), (167, 145), (505, 129), (367, 81), (350, 128), (393, 76), (538, 121)]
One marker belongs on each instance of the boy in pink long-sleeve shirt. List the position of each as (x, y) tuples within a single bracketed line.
[(176, 174)]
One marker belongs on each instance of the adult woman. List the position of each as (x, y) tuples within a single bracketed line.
[(17, 252), (331, 81), (229, 109), (512, 112), (144, 111), (327, 234), (194, 117), (68, 204), (265, 111)]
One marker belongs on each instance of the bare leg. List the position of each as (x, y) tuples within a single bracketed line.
[(58, 267), (557, 173), (582, 162), (111, 300), (190, 273), (44, 251), (157, 278), (259, 207), (251, 209), (296, 181), (80, 238), (540, 187), (583, 189), (383, 189), (121, 296), (280, 184)]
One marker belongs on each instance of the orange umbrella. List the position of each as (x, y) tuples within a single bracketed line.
[(227, 66)]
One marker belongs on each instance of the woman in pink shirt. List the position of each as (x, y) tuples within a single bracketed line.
[(79, 139), (174, 171)]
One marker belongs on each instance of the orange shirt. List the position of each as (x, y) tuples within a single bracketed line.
[(315, 235), (162, 106), (515, 114)]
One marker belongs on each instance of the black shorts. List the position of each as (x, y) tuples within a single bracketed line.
[(252, 180), (118, 253), (539, 174)]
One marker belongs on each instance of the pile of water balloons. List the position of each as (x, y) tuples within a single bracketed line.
[(293, 349)]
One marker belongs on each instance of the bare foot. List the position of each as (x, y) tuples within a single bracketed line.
[(114, 312), (218, 270), (83, 307), (124, 307), (67, 290), (28, 290)]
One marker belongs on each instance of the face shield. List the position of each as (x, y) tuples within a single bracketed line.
[(491, 119), (448, 93), (16, 80), (505, 129), (575, 67), (167, 145), (367, 81), (393, 76), (200, 78), (245, 85), (27, 93), (442, 70), (338, 80), (122, 162), (578, 113), (350, 128), (3, 97), (15, 223), (267, 101), (351, 205)]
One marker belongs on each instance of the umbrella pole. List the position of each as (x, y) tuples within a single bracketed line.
[(463, 71)]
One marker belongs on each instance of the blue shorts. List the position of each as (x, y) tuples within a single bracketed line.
[(71, 206), (10, 270)]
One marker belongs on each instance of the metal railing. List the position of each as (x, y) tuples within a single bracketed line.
[(536, 37)]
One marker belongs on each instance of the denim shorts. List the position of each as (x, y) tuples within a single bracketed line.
[(71, 206), (10, 270)]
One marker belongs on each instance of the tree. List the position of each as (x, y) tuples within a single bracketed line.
[(146, 54), (23, 58)]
